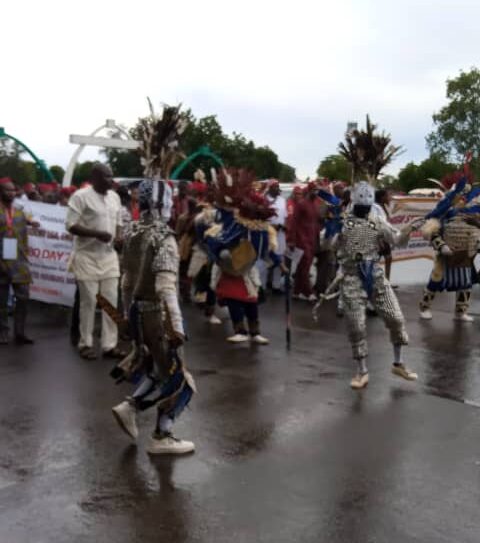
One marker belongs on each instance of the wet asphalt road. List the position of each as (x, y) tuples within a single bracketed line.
[(285, 450)]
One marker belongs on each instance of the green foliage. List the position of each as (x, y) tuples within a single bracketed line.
[(58, 172), (287, 173), (124, 163), (414, 176), (82, 172), (387, 182), (235, 151), (12, 164), (335, 167), (457, 125)]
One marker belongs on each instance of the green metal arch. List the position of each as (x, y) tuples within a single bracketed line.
[(40, 163), (202, 151)]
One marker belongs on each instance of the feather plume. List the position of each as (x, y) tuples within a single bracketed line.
[(159, 135), (236, 189), (368, 152)]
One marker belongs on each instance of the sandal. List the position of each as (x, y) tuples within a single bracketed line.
[(115, 353), (88, 353)]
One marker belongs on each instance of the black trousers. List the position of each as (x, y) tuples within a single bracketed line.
[(238, 311), (21, 291)]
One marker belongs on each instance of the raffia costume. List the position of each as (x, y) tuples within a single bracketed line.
[(151, 262), (456, 243), (240, 237)]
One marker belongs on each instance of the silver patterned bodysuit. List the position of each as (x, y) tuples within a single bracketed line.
[(151, 263), (358, 245)]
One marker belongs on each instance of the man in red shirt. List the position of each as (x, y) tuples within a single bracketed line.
[(303, 233)]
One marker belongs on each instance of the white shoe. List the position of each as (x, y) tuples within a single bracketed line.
[(310, 298), (213, 319), (463, 317), (125, 414), (426, 315), (238, 338), (359, 381), (402, 371), (260, 340), (200, 297), (169, 445)]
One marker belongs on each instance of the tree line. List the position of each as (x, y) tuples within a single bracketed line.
[(456, 132), (234, 150)]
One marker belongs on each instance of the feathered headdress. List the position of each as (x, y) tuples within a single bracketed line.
[(159, 135), (236, 189), (367, 152), (230, 186)]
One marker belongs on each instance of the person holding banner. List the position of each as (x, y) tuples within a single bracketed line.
[(94, 218), (14, 268)]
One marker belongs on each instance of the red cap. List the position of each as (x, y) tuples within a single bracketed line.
[(5, 180), (68, 191), (198, 187), (45, 187)]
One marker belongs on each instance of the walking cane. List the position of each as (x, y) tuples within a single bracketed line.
[(288, 298)]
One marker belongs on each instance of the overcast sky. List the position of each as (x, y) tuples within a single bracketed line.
[(285, 74)]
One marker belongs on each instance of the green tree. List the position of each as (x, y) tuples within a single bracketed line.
[(124, 163), (82, 172), (235, 151), (287, 173), (58, 172), (414, 176), (335, 167), (457, 125)]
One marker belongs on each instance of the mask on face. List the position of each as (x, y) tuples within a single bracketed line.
[(361, 211), (363, 194)]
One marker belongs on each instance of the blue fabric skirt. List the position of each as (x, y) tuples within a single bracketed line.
[(453, 279)]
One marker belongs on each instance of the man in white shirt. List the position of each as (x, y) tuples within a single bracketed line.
[(279, 203), (94, 218)]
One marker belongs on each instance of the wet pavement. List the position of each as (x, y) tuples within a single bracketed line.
[(285, 450)]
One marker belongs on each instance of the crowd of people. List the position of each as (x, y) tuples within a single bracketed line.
[(231, 241)]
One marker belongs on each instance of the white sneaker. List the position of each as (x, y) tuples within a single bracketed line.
[(402, 371), (238, 338), (309, 298), (125, 414), (260, 340), (200, 297), (426, 315), (170, 445), (213, 319), (359, 381), (463, 317)]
